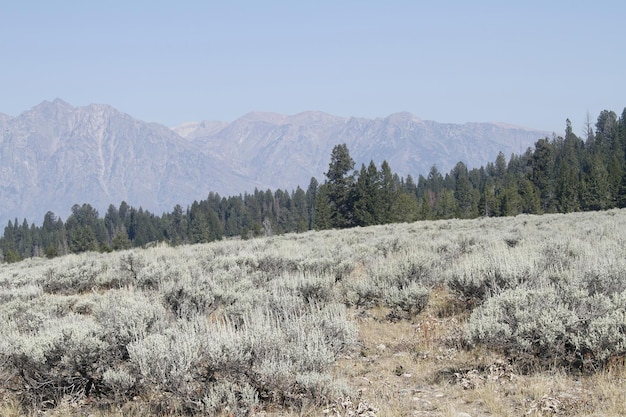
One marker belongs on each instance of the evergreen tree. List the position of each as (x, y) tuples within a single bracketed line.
[(82, 239), (112, 222), (367, 198), (542, 174), (489, 204), (568, 172), (446, 206), (11, 256), (254, 203), (214, 203), (124, 214), (311, 193), (463, 192), (595, 191), (299, 211), (387, 195), (177, 227), (621, 132), (621, 197), (8, 238), (323, 209), (198, 226), (425, 208), (53, 236), (406, 208), (282, 208), (605, 142), (144, 227), (435, 180), (409, 185), (120, 241), (511, 203), (615, 172), (236, 216), (500, 168), (531, 200), (25, 241), (339, 184), (85, 230)]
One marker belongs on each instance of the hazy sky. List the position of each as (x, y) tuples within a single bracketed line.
[(529, 63)]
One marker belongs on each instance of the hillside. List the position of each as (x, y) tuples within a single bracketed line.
[(56, 155), (486, 317)]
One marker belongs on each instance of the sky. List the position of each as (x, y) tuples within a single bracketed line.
[(530, 63)]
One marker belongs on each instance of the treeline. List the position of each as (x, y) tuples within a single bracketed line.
[(561, 174)]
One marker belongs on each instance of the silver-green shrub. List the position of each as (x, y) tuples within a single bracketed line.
[(118, 381), (400, 282), (127, 317), (75, 278), (479, 275), (24, 292), (267, 351), (236, 399), (229, 326), (61, 357), (547, 326)]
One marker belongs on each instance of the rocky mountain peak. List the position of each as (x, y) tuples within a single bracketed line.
[(403, 117), (50, 108)]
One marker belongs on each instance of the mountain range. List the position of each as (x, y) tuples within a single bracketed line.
[(56, 155)]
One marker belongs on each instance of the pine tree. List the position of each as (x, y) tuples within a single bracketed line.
[(299, 211), (530, 197), (388, 194), (112, 223), (621, 197), (406, 208), (120, 241), (489, 204), (311, 193), (511, 203), (446, 206), (340, 183), (367, 204), (542, 174), (82, 239), (595, 192), (85, 230), (323, 209), (463, 192), (198, 227), (177, 227), (425, 208), (568, 172)]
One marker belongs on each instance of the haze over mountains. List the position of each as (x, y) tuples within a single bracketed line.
[(56, 155)]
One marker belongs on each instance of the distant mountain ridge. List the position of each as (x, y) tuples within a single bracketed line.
[(257, 143), (56, 155)]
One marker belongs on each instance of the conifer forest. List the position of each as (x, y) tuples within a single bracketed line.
[(561, 174)]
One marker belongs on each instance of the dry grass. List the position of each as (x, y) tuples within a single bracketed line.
[(418, 369)]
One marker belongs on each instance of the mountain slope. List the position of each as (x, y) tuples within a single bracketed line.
[(56, 155), (287, 150)]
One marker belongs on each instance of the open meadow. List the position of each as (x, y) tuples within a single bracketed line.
[(505, 316)]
